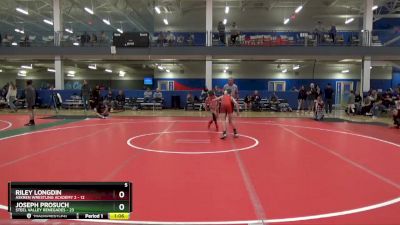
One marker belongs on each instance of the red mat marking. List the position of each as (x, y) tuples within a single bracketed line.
[(18, 121), (4, 125), (292, 177)]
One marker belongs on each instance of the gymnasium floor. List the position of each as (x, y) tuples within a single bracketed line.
[(283, 169)]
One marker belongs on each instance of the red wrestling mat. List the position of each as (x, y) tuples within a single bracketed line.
[(287, 171)]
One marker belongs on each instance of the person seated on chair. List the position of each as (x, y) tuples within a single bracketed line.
[(247, 102), (274, 100), (109, 100), (120, 100), (157, 96), (102, 109), (189, 100), (148, 94), (255, 100)]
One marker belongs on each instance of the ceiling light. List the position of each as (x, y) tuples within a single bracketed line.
[(374, 7), (76, 43), (92, 67), (14, 44), (298, 9), (108, 70), (122, 73), (224, 71), (22, 73), (22, 32), (284, 71), (71, 72), (345, 71), (225, 21), (157, 10), (106, 21), (1, 70), (120, 30), (90, 11), (26, 67), (370, 67), (286, 21), (226, 9), (23, 11), (226, 68), (69, 30), (168, 71), (17, 30), (349, 20), (48, 22), (70, 75), (165, 21), (51, 70), (296, 67), (160, 68)]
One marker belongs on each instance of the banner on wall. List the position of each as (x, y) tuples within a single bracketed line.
[(131, 40)]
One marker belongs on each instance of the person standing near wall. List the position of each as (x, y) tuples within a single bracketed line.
[(12, 96), (234, 33), (301, 98), (85, 93), (234, 90), (30, 97), (328, 93), (221, 32)]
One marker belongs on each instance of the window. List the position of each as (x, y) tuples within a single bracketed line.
[(277, 86)]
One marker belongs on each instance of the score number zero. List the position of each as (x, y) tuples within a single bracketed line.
[(121, 195)]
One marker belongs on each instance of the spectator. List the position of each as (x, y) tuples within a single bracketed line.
[(93, 39), (204, 94), (203, 97), (378, 107), (161, 39), (232, 87), (351, 103), (318, 31), (85, 94), (190, 40), (301, 99), (311, 96), (148, 94), (120, 100), (218, 92), (328, 93), (247, 102), (157, 96), (95, 97), (332, 33), (221, 32), (256, 101), (109, 100), (189, 100), (103, 38), (85, 38), (234, 33), (358, 104), (367, 105), (319, 109), (170, 38), (12, 96), (30, 98)]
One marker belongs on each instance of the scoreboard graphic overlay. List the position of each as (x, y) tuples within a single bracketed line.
[(70, 200)]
